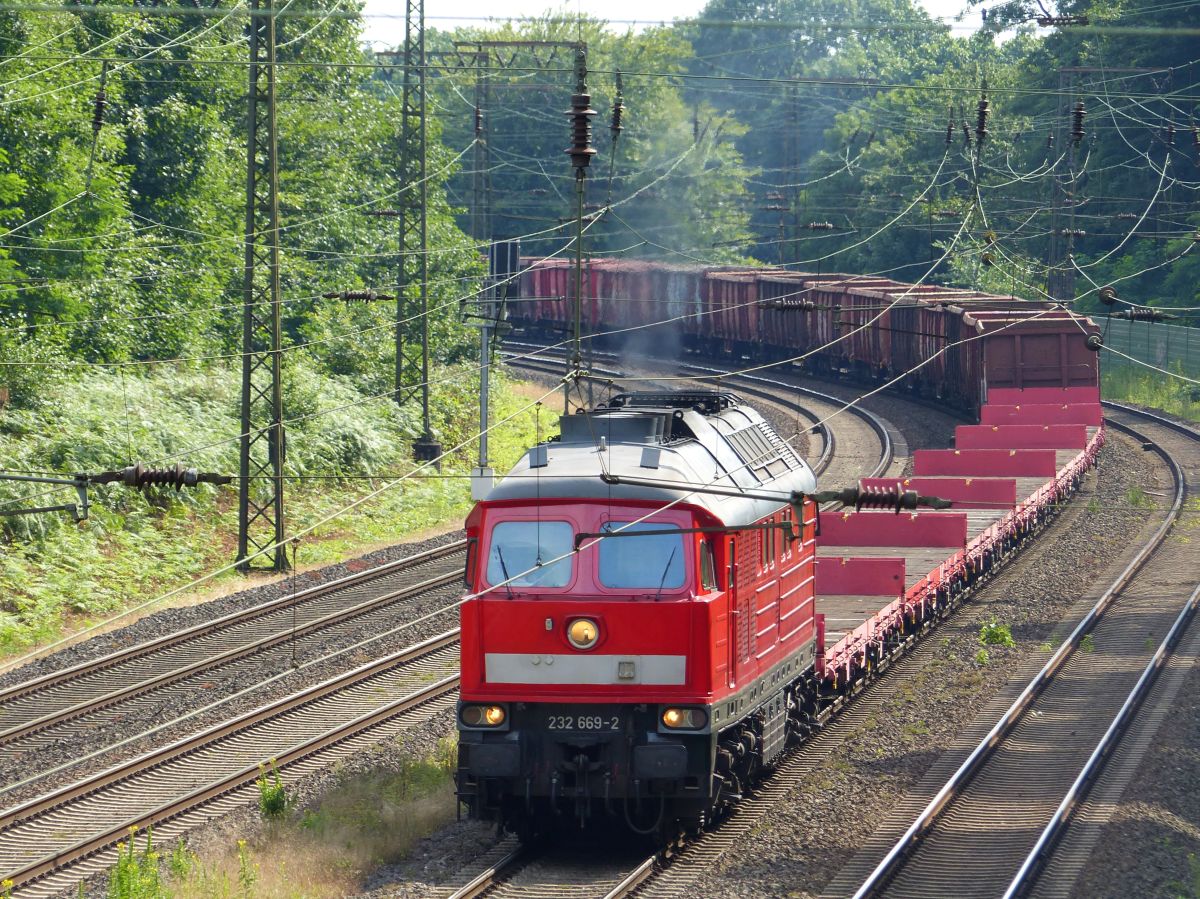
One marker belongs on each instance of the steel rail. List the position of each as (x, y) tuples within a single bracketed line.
[(111, 834), (633, 879), (1028, 871), (1047, 839), (503, 871), (883, 871), (490, 876), (231, 655), (53, 678)]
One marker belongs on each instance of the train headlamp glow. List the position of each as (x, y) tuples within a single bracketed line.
[(684, 719), (483, 715), (582, 633)]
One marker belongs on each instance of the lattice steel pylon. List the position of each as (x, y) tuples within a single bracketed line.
[(412, 363), (261, 523)]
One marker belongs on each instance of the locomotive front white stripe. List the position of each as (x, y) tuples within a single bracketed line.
[(546, 668)]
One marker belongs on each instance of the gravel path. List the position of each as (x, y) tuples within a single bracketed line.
[(821, 825)]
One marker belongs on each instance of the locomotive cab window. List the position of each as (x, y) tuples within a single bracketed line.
[(651, 562), (523, 553), (708, 571)]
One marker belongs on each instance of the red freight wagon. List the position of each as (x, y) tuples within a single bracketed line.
[(950, 343), (1050, 350), (786, 329), (735, 294), (683, 291)]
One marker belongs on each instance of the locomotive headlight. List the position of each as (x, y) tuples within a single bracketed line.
[(582, 633), (684, 719), (483, 715)]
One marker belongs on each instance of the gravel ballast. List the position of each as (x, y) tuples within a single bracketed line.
[(77, 748)]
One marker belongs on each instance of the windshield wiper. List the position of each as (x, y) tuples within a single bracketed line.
[(666, 571), (504, 569)]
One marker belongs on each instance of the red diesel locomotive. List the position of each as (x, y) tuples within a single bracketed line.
[(633, 648)]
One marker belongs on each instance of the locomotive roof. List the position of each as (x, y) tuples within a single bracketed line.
[(686, 439)]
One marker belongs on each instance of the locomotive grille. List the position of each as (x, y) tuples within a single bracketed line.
[(747, 562), (767, 458)]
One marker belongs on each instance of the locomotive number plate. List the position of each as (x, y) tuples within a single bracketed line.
[(583, 722)]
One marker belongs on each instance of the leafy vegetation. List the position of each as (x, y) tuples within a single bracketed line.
[(136, 873), (272, 795), (993, 633), (1147, 388), (135, 546)]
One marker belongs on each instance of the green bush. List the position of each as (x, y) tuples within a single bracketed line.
[(135, 546), (1133, 384), (273, 799), (992, 633), (135, 875)]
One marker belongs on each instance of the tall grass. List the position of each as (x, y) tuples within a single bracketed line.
[(1149, 388), (326, 850), (55, 575)]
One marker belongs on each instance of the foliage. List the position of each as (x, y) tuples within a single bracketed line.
[(982, 657), (247, 871), (672, 154), (135, 874), (1137, 498), (133, 234), (273, 800), (1131, 384), (992, 633), (136, 546), (1087, 644)]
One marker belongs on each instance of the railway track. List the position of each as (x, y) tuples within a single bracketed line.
[(859, 428), (53, 840), (49, 843), (560, 873), (87, 701), (986, 821)]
